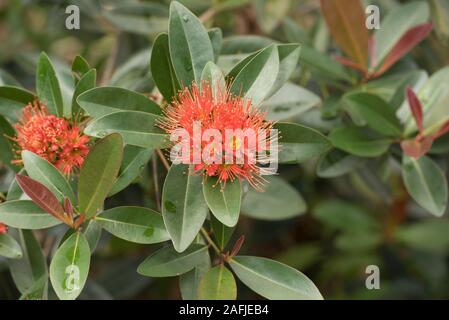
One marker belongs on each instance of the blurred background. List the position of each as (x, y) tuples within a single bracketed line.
[(362, 217)]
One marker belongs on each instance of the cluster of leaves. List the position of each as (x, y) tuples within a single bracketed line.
[(368, 118)]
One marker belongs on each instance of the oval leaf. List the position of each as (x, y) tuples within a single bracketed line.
[(70, 267), (47, 86), (9, 247), (25, 214), (223, 201), (218, 284), (12, 101), (167, 262), (274, 280), (139, 225), (183, 207), (426, 183), (98, 174), (137, 128)]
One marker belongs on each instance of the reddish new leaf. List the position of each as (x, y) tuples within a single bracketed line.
[(350, 64), (408, 41), (444, 129), (40, 195), (346, 22), (237, 246), (417, 147), (416, 108)]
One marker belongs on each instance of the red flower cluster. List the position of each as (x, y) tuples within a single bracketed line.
[(218, 109), (52, 138), (3, 228)]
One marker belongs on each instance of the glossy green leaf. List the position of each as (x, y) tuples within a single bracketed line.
[(9, 247), (215, 77), (80, 67), (290, 101), (167, 262), (224, 201), (12, 101), (183, 206), (70, 266), (279, 201), (288, 60), (299, 143), (24, 214), (162, 68), (134, 161), (102, 101), (377, 113), (190, 46), (218, 284), (41, 170), (135, 224), (258, 76), (47, 86), (137, 128), (98, 174), (30, 273), (357, 141), (426, 183), (87, 82), (91, 230), (216, 39), (274, 280), (336, 163), (222, 233)]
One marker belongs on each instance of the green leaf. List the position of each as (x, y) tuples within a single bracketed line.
[(9, 247), (12, 101), (428, 235), (270, 13), (218, 284), (102, 101), (91, 230), (47, 86), (134, 161), (274, 280), (183, 207), (98, 174), (356, 141), (288, 60), (137, 128), (396, 23), (43, 171), (426, 183), (162, 68), (70, 266), (189, 282), (222, 233), (289, 101), (223, 200), (215, 77), (30, 273), (24, 214), (80, 67), (7, 152), (336, 163), (299, 143), (135, 224), (377, 113), (216, 39), (86, 83), (346, 216), (167, 262), (190, 46), (258, 76), (279, 201)]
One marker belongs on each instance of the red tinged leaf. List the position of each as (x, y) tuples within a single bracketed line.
[(40, 195), (408, 41), (416, 108), (417, 147), (237, 246), (351, 64), (346, 23), (444, 129)]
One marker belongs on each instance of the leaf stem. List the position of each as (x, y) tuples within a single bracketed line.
[(164, 161), (210, 241)]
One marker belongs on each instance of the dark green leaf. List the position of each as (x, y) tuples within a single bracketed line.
[(218, 284), (24, 214), (47, 86)]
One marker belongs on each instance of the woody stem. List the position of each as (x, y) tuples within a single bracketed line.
[(210, 241)]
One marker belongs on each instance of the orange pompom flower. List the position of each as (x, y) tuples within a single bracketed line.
[(245, 134), (54, 139)]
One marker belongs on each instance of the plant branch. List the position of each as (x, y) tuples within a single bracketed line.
[(210, 241)]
